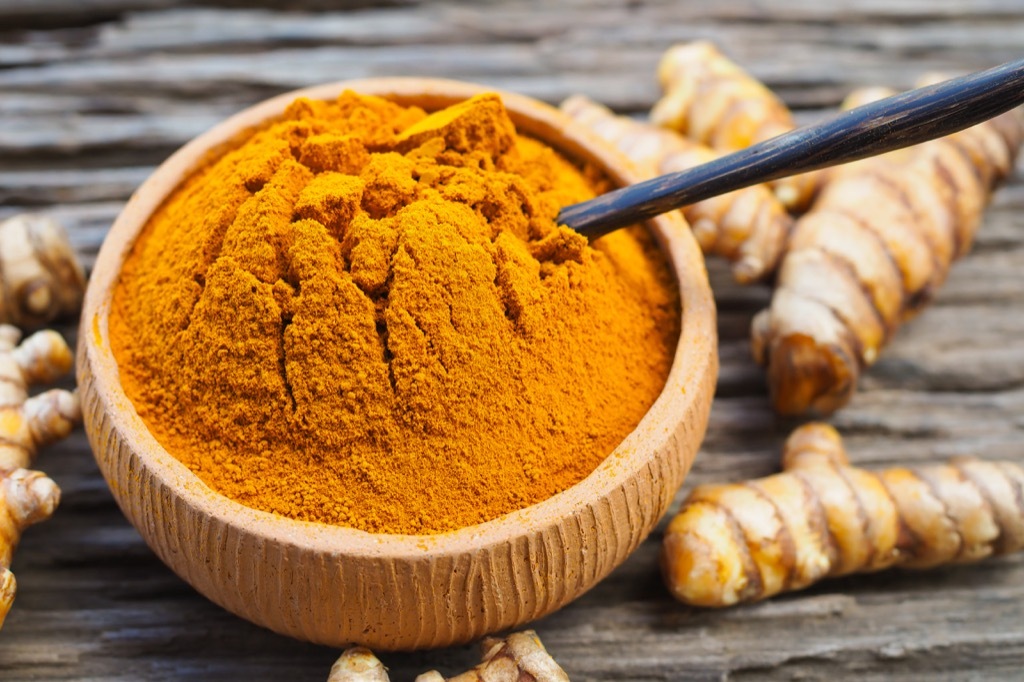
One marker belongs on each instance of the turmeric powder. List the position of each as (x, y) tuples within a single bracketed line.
[(366, 315)]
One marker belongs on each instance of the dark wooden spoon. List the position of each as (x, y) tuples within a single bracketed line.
[(883, 126)]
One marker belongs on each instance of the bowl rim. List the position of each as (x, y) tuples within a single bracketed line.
[(694, 357)]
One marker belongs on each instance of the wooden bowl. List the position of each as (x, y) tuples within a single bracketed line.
[(336, 586)]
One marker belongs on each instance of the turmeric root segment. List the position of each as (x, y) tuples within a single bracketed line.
[(26, 424), (872, 252), (26, 497), (8, 586), (358, 664), (520, 657), (748, 227), (711, 100), (41, 276), (821, 517)]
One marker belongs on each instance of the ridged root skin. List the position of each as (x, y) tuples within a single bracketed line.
[(26, 497), (520, 657), (872, 252), (748, 227), (40, 276), (358, 664), (26, 424), (821, 517), (711, 100)]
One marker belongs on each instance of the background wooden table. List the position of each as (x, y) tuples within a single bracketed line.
[(95, 93)]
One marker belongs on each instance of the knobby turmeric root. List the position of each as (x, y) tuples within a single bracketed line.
[(26, 423), (871, 253), (358, 664), (26, 497), (821, 517), (748, 227), (711, 100), (520, 657), (40, 276)]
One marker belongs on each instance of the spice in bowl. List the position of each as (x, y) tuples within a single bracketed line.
[(364, 315)]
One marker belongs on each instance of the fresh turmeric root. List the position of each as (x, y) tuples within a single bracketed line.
[(871, 253), (822, 517), (358, 664), (40, 276), (26, 423), (748, 227), (520, 657), (26, 497), (711, 100)]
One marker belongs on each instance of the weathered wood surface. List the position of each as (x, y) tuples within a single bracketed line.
[(94, 93)]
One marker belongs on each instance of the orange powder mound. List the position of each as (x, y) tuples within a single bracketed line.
[(364, 315)]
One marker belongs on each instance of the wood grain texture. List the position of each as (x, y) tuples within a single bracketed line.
[(100, 92)]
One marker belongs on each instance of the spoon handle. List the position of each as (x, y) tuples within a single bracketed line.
[(883, 126)]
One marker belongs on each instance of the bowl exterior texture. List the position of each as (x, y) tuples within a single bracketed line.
[(338, 586)]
